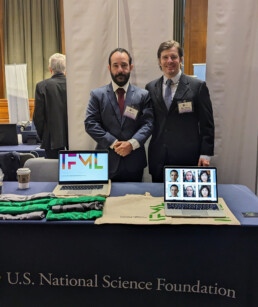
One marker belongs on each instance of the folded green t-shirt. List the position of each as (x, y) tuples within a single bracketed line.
[(92, 214)]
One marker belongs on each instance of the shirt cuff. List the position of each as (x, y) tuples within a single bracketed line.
[(113, 144), (135, 144), (205, 157)]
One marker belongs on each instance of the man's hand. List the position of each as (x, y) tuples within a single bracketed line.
[(123, 148), (203, 162)]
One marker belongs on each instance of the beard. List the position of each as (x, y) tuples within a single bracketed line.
[(120, 79)]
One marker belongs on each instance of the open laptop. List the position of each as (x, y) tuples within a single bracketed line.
[(8, 134), (191, 192), (83, 173)]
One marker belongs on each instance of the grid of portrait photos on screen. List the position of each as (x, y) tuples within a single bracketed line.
[(190, 184)]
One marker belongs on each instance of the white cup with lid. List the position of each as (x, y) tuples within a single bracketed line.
[(23, 175)]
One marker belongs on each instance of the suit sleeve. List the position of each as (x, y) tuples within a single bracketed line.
[(39, 111), (206, 121), (146, 120), (93, 123)]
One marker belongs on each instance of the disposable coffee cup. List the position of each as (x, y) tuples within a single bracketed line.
[(23, 175)]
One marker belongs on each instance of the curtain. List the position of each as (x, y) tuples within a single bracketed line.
[(139, 26), (232, 62), (17, 92), (32, 34)]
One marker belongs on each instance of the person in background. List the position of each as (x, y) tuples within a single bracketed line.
[(120, 118), (50, 113), (183, 131)]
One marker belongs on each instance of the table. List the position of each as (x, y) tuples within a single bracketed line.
[(82, 264), (23, 148)]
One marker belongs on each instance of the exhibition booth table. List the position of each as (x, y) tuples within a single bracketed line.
[(79, 263), (23, 148)]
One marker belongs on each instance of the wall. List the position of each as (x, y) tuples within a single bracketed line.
[(232, 66)]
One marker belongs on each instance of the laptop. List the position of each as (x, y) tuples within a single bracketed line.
[(8, 134), (83, 173), (191, 192)]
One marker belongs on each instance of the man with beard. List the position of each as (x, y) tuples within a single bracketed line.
[(120, 118)]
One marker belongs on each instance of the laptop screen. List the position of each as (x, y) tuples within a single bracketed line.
[(8, 134), (83, 167), (191, 184)]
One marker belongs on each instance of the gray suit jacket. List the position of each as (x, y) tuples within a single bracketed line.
[(180, 138), (104, 124)]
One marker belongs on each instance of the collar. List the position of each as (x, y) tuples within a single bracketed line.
[(59, 74), (115, 86), (174, 79)]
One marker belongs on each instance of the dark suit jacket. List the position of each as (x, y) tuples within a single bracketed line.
[(179, 139), (104, 124), (50, 113)]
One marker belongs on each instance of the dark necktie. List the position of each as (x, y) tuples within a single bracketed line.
[(121, 99), (168, 93)]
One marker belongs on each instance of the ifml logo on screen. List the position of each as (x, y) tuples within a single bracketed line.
[(89, 160)]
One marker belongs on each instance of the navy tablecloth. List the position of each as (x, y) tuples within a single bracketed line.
[(237, 197)]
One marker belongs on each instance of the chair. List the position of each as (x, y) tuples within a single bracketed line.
[(24, 157), (9, 163), (45, 170)]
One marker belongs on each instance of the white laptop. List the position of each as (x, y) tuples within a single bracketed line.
[(191, 192), (83, 173)]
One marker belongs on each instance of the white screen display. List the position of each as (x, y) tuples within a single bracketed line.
[(83, 166), (191, 184)]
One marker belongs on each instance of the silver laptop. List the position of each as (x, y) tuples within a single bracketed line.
[(83, 173), (191, 192)]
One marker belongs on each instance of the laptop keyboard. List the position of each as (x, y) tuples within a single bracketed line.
[(192, 206), (82, 187)]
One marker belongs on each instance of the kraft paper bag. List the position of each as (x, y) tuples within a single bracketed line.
[(148, 210)]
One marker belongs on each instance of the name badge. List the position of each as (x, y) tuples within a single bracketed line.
[(130, 112), (185, 107)]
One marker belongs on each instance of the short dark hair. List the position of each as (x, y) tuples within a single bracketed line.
[(169, 44), (173, 170), (121, 50), (173, 185)]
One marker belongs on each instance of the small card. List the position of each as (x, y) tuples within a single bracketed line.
[(185, 107), (130, 112)]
